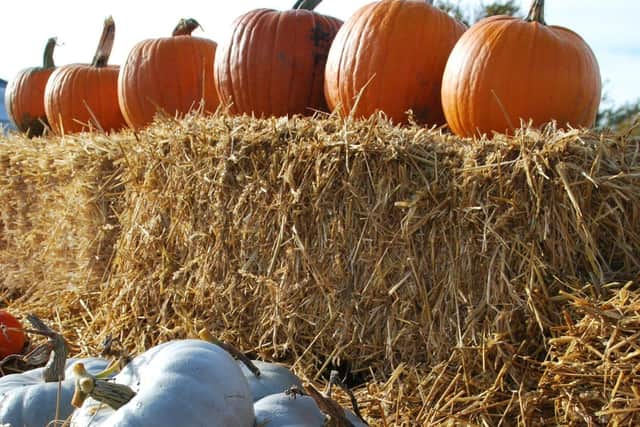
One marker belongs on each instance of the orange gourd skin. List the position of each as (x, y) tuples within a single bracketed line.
[(504, 70), (25, 100), (390, 56), (273, 63), (80, 97), (170, 74), (12, 337), (24, 97)]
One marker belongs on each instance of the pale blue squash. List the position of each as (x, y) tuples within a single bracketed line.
[(273, 379), (285, 410), (188, 383), (27, 401)]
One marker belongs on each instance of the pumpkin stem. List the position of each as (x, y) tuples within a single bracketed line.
[(334, 379), (185, 27), (54, 369), (47, 58), (115, 366), (110, 393), (329, 407), (205, 335), (101, 57), (121, 356), (306, 4), (536, 13), (56, 346)]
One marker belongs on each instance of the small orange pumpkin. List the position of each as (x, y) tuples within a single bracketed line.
[(505, 70), (24, 97), (169, 74), (390, 56), (12, 337), (80, 97), (273, 63)]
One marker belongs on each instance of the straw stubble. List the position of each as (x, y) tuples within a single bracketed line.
[(430, 266)]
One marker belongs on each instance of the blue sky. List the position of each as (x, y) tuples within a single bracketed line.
[(609, 26)]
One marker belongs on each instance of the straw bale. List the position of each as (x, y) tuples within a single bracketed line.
[(57, 214), (592, 372), (365, 242), (429, 267)]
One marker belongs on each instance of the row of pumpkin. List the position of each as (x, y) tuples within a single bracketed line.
[(392, 56), (188, 382)]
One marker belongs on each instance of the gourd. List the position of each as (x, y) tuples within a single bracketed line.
[(169, 74), (273, 379), (24, 97), (389, 56), (12, 337), (26, 400), (84, 96), (289, 410), (273, 62), (506, 70), (282, 409), (177, 383), (264, 378)]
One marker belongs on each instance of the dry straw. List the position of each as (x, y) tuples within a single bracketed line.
[(434, 269), (592, 372)]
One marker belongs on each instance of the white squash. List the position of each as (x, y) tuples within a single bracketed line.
[(274, 378), (178, 383), (283, 410), (288, 410), (26, 400)]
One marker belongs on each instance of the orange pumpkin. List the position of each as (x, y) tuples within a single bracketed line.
[(81, 97), (12, 337), (273, 63), (390, 56), (24, 97), (506, 70), (170, 74)]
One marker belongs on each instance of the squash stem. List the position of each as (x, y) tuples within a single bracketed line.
[(115, 366), (56, 347), (110, 393), (334, 412), (306, 4), (54, 369), (101, 57), (205, 335), (47, 57), (185, 27), (536, 13), (334, 379)]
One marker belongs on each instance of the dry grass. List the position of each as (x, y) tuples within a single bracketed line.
[(591, 374), (57, 223), (437, 270)]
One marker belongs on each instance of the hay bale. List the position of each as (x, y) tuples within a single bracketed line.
[(591, 374), (57, 210), (321, 240), (429, 266)]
